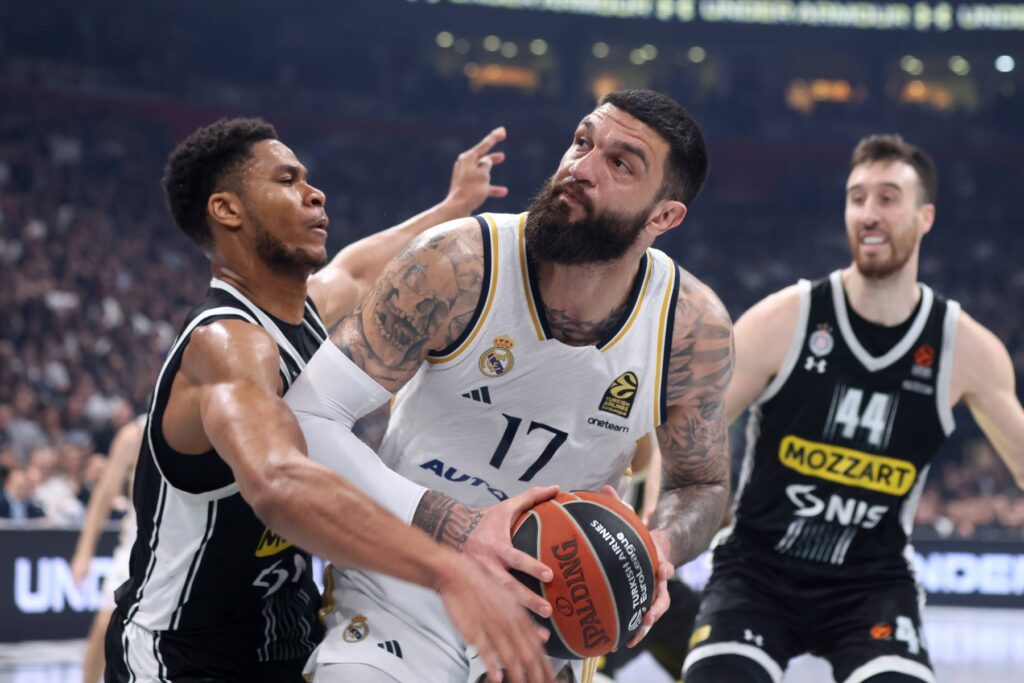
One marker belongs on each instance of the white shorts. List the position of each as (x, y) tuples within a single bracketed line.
[(118, 573), (363, 632), (406, 634), (582, 669)]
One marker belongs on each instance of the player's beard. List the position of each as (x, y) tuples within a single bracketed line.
[(280, 257), (901, 247), (598, 237)]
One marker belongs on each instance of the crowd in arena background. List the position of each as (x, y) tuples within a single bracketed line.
[(97, 278)]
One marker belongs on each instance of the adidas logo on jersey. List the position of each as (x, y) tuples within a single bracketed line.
[(391, 646), (482, 395)]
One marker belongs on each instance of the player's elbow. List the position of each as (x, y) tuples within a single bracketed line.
[(272, 495)]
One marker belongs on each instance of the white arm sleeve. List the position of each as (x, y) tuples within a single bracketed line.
[(327, 398)]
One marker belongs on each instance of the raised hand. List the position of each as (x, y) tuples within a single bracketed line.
[(471, 174)]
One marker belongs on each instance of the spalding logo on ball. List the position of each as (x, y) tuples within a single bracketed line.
[(603, 560)]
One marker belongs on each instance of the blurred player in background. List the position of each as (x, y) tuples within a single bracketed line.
[(117, 475), (531, 349), (851, 381)]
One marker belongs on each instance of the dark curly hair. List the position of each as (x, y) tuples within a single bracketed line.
[(686, 167), (204, 163)]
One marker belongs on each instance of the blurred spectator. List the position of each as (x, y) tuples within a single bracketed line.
[(56, 483), (16, 499)]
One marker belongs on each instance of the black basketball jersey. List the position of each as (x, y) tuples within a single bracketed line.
[(204, 571), (839, 443)]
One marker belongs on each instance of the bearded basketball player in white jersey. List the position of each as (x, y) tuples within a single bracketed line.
[(532, 349), (850, 381)]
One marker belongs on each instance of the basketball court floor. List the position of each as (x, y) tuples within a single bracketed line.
[(967, 646)]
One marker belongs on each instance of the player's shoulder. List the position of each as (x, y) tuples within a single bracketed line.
[(975, 343), (696, 301), (776, 313), (229, 349), (700, 320), (457, 238)]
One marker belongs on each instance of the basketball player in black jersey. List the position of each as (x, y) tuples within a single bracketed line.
[(850, 382), (219, 588)]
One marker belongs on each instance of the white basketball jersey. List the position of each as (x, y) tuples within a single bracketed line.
[(507, 406)]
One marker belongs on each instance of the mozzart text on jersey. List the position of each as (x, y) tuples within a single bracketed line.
[(847, 466)]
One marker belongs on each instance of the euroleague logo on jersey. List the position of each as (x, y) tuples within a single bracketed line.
[(924, 359), (618, 397), (498, 360)]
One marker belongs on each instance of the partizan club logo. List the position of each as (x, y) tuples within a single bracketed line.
[(821, 341)]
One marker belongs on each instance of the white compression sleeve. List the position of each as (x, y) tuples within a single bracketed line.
[(327, 398)]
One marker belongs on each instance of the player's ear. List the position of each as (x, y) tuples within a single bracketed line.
[(666, 214), (226, 208), (927, 213)]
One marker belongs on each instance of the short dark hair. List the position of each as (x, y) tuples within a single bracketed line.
[(204, 163), (686, 167), (892, 147)]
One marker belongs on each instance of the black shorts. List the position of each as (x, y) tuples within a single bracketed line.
[(159, 657), (862, 625)]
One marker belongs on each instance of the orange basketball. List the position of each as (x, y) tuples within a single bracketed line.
[(603, 560)]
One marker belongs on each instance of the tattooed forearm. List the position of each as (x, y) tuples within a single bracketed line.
[(415, 306), (695, 487), (694, 437), (447, 521)]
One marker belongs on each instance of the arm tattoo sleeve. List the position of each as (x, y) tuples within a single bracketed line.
[(694, 437), (422, 301), (448, 522)]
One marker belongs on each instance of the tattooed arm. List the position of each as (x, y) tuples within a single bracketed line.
[(693, 438), (421, 302)]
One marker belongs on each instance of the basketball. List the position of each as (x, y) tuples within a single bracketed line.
[(603, 559)]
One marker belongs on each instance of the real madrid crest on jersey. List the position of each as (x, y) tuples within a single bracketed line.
[(357, 629), (497, 361), (821, 342)]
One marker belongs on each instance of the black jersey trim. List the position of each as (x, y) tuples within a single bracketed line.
[(193, 568), (154, 542), (161, 669), (903, 346), (533, 283), (485, 291), (314, 322), (666, 350), (635, 300)]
